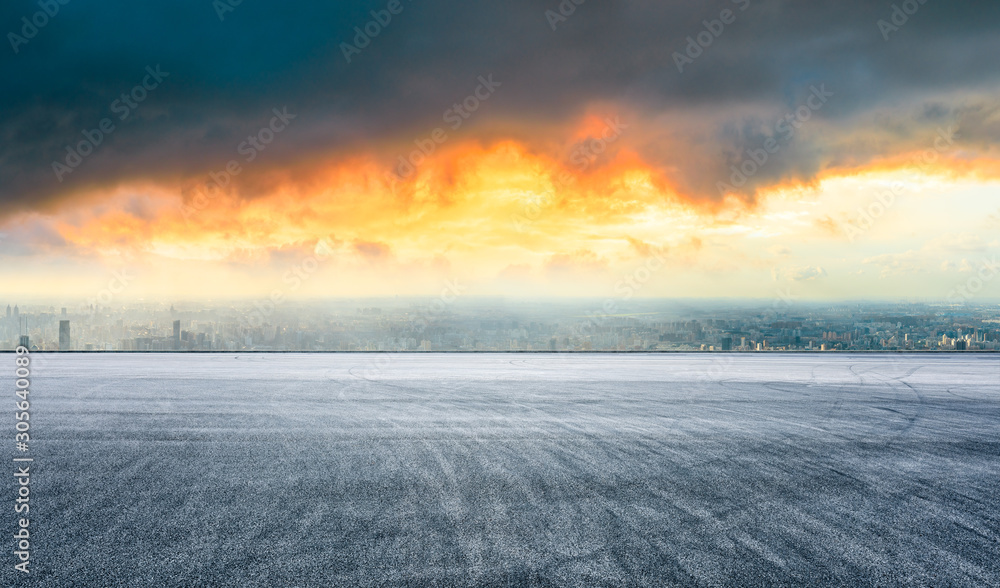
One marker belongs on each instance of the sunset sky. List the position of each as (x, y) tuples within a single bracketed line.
[(830, 150)]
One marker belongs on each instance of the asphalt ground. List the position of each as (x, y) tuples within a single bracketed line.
[(510, 470)]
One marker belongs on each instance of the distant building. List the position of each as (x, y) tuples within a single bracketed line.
[(8, 311), (727, 343), (63, 311), (23, 342), (177, 334), (960, 345), (65, 343)]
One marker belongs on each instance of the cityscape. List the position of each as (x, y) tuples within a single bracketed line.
[(503, 325)]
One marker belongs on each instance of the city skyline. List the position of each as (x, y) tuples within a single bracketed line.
[(501, 325)]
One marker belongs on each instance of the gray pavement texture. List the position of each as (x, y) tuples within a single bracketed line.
[(512, 470)]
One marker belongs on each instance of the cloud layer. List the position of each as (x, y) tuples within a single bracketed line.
[(226, 75)]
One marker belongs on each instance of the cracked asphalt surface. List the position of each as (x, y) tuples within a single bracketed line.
[(513, 470)]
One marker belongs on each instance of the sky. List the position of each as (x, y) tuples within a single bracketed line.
[(729, 148)]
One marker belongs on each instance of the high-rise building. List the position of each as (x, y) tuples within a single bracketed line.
[(8, 311), (177, 334), (17, 313), (23, 340), (63, 311), (727, 343), (65, 344)]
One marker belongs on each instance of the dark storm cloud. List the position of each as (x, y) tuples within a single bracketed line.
[(226, 75)]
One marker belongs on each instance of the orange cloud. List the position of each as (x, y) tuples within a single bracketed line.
[(575, 207)]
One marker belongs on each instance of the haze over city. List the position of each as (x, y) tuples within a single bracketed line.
[(449, 323)]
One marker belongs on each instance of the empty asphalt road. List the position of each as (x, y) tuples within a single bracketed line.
[(511, 470)]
